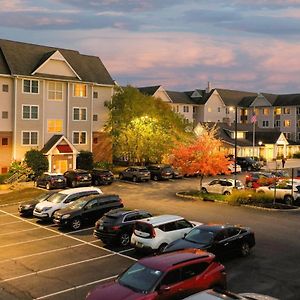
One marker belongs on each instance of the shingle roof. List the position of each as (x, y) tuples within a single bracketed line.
[(287, 100), (180, 97), (233, 97), (53, 140), (23, 59), (149, 90)]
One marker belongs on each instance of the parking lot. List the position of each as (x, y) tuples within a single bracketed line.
[(39, 261)]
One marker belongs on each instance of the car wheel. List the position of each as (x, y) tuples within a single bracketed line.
[(288, 199), (48, 186), (134, 179), (75, 224), (226, 193), (161, 248), (73, 183), (155, 177), (204, 190), (245, 249), (124, 239)]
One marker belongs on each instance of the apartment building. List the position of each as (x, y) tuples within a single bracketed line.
[(51, 99)]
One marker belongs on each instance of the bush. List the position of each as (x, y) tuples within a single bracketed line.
[(85, 160), (249, 197), (296, 155), (3, 177), (35, 160), (103, 165)]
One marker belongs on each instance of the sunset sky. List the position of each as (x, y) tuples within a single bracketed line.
[(250, 45)]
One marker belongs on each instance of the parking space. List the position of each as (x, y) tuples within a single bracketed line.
[(38, 261)]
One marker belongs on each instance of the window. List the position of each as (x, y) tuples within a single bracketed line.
[(171, 277), (55, 126), (287, 123), (182, 224), (219, 109), (298, 135), (244, 112), (298, 110), (131, 217), (30, 112), (5, 115), (194, 109), (80, 90), (95, 118), (277, 123), (95, 95), (55, 91), (4, 170), (5, 88), (298, 123), (265, 111), (256, 111), (286, 110), (185, 108), (168, 227), (193, 270), (29, 138), (265, 123), (4, 141), (209, 109), (287, 135), (79, 114), (227, 111), (79, 137), (30, 86), (277, 111)]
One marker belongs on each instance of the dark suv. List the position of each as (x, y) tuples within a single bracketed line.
[(78, 178), (135, 173), (248, 164), (86, 209), (102, 176), (51, 181), (117, 225), (160, 172)]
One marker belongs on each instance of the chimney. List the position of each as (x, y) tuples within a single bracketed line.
[(208, 89)]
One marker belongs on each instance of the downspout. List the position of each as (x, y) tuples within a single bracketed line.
[(91, 119), (15, 118)]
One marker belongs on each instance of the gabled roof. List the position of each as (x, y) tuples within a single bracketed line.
[(24, 58), (149, 90), (233, 97), (270, 97), (287, 100), (54, 141), (179, 97)]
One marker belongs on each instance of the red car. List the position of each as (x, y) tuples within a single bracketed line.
[(168, 276)]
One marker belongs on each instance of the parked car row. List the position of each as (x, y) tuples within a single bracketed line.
[(187, 250)]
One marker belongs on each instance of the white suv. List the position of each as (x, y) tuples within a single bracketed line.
[(46, 209), (221, 186), (155, 233)]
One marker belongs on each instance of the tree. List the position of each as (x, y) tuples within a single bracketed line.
[(35, 160), (202, 156), (85, 160), (143, 128)]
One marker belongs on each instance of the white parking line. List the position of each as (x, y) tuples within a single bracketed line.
[(4, 215), (45, 252), (75, 287), (14, 232), (57, 268), (2, 224), (30, 241)]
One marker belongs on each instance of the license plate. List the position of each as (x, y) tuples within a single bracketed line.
[(59, 180)]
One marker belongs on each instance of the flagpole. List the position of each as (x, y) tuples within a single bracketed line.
[(253, 136)]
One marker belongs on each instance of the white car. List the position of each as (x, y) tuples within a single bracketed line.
[(46, 209), (283, 190), (221, 186), (155, 233), (231, 168)]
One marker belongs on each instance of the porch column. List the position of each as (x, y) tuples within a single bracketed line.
[(74, 161), (284, 150), (50, 163)]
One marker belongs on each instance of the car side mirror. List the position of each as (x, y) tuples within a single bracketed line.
[(164, 288)]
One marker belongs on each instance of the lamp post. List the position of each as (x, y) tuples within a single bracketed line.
[(235, 144)]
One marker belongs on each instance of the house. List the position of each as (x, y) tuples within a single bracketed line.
[(52, 99)]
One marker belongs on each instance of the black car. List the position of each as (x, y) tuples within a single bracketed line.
[(26, 208), (222, 240), (135, 173), (248, 164), (117, 226), (51, 181), (160, 172), (102, 176), (86, 209), (78, 178)]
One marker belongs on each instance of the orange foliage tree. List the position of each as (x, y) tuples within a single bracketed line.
[(202, 156)]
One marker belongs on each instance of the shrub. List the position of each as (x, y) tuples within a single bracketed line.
[(296, 155), (3, 177), (35, 160), (249, 197), (103, 165), (85, 160)]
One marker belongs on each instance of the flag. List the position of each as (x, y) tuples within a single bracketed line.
[(253, 118)]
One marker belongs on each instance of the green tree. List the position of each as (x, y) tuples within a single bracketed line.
[(85, 160), (35, 160), (143, 128)]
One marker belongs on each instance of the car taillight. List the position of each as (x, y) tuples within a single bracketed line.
[(115, 228), (153, 233)]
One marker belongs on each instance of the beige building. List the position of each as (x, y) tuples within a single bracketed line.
[(51, 99)]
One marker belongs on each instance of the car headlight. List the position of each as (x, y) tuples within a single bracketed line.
[(27, 206), (65, 216), (47, 208)]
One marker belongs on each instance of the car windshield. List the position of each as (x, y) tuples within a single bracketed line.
[(143, 170), (201, 236), (42, 197), (80, 203), (56, 198), (140, 278)]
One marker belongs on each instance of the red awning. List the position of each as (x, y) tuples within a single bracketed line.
[(64, 149)]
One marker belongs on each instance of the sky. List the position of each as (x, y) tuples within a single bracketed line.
[(248, 45)]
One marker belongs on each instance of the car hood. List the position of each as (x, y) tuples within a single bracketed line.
[(31, 202), (47, 204), (255, 296), (113, 290), (184, 244)]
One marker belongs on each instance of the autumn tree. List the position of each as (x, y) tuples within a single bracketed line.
[(143, 128), (203, 156)]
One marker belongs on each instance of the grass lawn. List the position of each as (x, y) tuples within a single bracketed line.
[(203, 196), (20, 195)]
